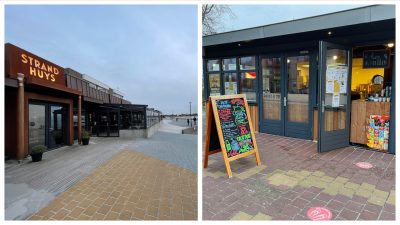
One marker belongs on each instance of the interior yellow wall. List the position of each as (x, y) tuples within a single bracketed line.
[(304, 72), (362, 76)]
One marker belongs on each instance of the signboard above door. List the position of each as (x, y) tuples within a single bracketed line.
[(376, 58), (33, 67)]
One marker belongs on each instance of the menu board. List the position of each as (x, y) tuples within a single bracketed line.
[(378, 132), (376, 58), (235, 126), (229, 129)]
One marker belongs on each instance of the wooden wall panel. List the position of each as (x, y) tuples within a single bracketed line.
[(360, 113), (315, 125), (254, 116), (298, 112), (272, 109)]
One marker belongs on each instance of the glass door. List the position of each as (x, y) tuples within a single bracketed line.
[(46, 125), (334, 97), (284, 105), (37, 125), (271, 99), (56, 129), (296, 99)]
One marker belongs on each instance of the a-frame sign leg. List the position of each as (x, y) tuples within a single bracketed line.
[(206, 159), (258, 161), (228, 166), (209, 116)]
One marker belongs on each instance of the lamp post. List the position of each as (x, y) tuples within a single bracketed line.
[(190, 113)]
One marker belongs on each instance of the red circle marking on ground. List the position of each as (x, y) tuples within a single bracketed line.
[(364, 165), (319, 213)]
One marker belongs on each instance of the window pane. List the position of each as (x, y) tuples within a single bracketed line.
[(248, 85), (213, 65), (230, 83), (215, 84), (247, 63), (337, 72), (229, 64), (298, 87), (271, 82)]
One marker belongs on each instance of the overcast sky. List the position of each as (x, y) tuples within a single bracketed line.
[(258, 15), (147, 52)]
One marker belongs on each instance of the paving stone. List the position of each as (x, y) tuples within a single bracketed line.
[(318, 173), (327, 179), (296, 180), (352, 185), (261, 216), (363, 192), (242, 216), (120, 170), (331, 190), (342, 180), (367, 215), (368, 186), (347, 192), (377, 200), (354, 206), (392, 198), (387, 216), (335, 205), (348, 214), (389, 208)]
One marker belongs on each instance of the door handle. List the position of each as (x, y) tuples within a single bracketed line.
[(323, 106), (284, 101)]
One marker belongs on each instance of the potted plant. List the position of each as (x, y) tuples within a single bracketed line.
[(37, 152), (85, 137)]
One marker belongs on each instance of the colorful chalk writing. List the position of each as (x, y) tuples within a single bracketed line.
[(235, 126)]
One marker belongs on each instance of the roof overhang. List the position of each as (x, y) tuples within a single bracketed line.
[(338, 19)]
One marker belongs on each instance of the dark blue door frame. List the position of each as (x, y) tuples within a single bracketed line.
[(283, 127), (333, 139)]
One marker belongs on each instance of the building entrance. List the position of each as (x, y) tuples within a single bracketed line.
[(46, 125), (284, 105)]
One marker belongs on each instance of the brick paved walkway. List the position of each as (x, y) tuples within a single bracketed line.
[(130, 186), (293, 177), (31, 186)]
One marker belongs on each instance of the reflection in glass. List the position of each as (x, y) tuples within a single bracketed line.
[(298, 68), (215, 84), (229, 64), (336, 89), (230, 83), (271, 76), (56, 126), (247, 63), (248, 85), (213, 65), (37, 127)]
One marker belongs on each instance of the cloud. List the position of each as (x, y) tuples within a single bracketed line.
[(147, 52)]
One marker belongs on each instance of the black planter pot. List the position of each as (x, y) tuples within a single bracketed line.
[(58, 140), (36, 157), (85, 141)]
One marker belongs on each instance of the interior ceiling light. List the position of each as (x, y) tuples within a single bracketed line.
[(390, 45)]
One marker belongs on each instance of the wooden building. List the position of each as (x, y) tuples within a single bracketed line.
[(46, 104)]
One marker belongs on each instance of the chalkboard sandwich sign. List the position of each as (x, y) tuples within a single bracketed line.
[(229, 123)]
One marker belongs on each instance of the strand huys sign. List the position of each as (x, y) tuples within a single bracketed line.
[(34, 68)]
